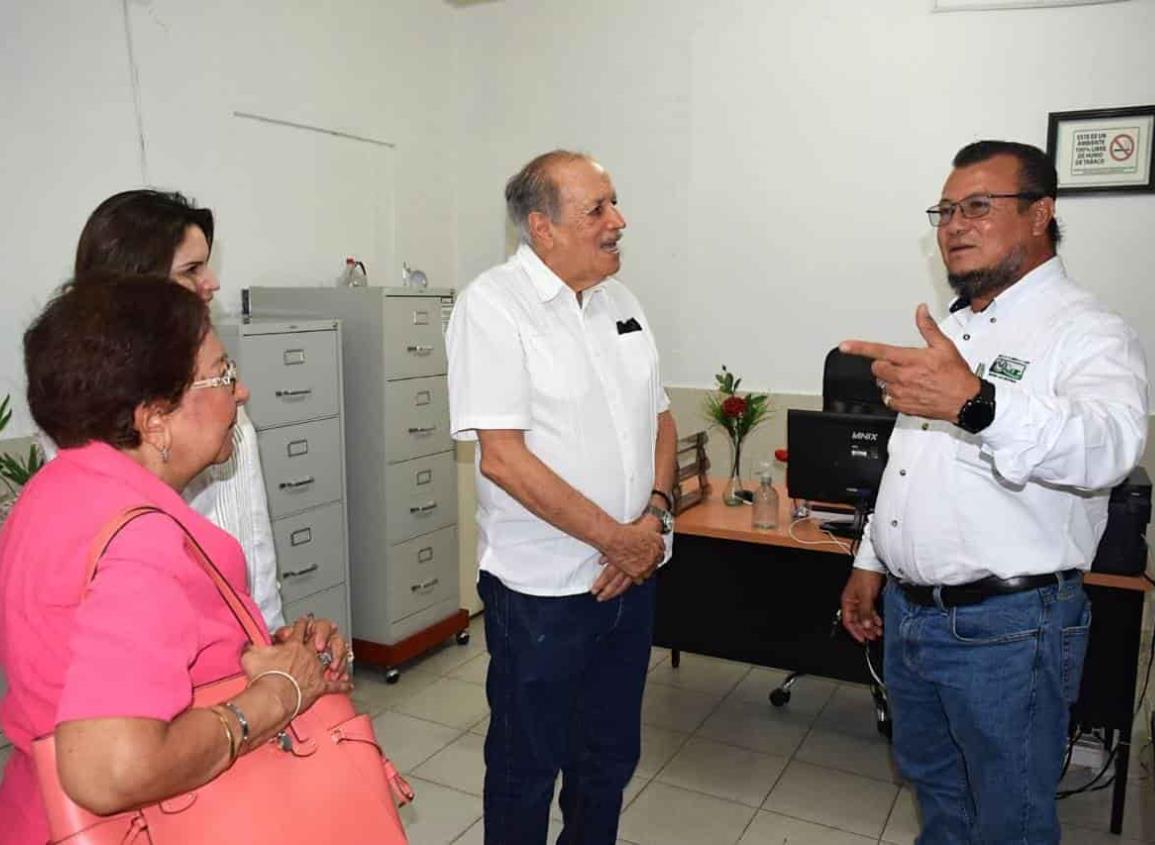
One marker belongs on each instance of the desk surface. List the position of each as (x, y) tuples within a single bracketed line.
[(713, 518)]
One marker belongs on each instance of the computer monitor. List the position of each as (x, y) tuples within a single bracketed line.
[(834, 457)]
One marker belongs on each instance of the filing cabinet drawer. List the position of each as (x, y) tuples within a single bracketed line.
[(328, 604), (420, 496), (310, 551), (416, 418), (302, 465), (414, 344), (422, 572), (291, 376)]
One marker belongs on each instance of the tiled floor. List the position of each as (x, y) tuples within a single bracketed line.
[(719, 764)]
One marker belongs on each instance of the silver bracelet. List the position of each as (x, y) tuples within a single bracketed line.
[(292, 680), (241, 720)]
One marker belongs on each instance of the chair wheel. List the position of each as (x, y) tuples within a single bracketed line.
[(882, 721), (392, 676), (778, 697), (463, 637)]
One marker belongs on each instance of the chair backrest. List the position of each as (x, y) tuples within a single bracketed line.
[(849, 387)]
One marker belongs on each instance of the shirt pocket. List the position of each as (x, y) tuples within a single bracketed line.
[(637, 359), (557, 367)]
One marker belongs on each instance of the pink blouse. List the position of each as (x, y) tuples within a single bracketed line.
[(151, 627)]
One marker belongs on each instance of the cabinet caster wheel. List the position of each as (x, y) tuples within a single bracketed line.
[(779, 697), (392, 676), (463, 637)]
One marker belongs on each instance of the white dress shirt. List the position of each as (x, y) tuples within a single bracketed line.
[(1028, 495), (232, 496), (524, 354)]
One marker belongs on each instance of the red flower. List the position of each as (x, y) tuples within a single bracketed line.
[(734, 407)]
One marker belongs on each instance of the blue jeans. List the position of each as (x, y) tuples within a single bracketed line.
[(565, 684), (980, 698)]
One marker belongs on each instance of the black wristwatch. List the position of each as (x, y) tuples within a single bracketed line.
[(664, 517), (979, 411)]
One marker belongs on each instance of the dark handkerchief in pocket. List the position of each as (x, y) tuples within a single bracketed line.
[(627, 326)]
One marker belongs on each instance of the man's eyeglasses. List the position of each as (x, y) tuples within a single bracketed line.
[(227, 379), (972, 207)]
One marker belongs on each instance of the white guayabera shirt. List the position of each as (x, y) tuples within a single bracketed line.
[(232, 496), (582, 381)]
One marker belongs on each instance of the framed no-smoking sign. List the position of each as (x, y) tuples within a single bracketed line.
[(1102, 150)]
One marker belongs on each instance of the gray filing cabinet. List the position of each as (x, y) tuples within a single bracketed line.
[(404, 566), (294, 375)]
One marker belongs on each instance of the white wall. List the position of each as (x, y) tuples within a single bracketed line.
[(290, 204), (773, 157)]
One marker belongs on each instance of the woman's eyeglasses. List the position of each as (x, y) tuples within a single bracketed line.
[(227, 379)]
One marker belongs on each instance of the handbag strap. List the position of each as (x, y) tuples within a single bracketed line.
[(253, 631)]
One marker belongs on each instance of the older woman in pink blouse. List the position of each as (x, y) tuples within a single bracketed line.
[(128, 378)]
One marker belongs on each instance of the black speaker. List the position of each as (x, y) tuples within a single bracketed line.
[(1123, 549)]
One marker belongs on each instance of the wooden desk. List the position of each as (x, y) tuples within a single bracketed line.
[(765, 597), (769, 597), (1111, 669)]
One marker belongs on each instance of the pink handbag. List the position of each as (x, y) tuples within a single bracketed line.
[(327, 779)]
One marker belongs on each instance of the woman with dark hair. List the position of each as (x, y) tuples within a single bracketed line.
[(129, 380), (153, 232)]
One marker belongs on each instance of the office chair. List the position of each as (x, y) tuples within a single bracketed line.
[(848, 387)]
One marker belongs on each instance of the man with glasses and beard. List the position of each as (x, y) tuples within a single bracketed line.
[(1027, 404)]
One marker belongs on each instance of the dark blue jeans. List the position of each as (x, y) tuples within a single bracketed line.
[(565, 684), (980, 697)]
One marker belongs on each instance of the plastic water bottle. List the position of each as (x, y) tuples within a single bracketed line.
[(765, 512), (353, 276)]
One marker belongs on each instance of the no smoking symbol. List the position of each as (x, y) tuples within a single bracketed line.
[(1122, 147)]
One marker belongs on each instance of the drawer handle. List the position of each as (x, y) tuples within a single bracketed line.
[(419, 349), (422, 429), (426, 586), (425, 555), (425, 508), (297, 484), (289, 394), (312, 567)]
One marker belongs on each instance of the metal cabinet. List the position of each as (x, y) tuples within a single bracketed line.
[(294, 375), (405, 593)]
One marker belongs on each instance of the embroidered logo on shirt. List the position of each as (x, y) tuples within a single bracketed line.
[(1008, 368)]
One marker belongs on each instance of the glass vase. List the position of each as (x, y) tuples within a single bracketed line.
[(735, 493)]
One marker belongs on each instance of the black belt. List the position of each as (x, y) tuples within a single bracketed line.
[(974, 592)]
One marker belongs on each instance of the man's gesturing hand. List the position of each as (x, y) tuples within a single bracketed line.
[(933, 382)]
